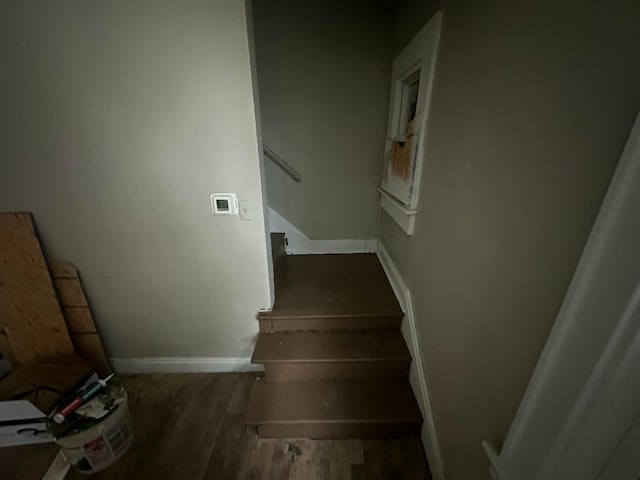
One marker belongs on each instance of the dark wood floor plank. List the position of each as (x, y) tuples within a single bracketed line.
[(301, 456), (392, 467), (241, 392), (349, 454), (259, 462), (228, 450), (337, 470), (199, 430), (280, 462), (414, 462), (372, 451), (156, 403), (320, 463), (26, 462)]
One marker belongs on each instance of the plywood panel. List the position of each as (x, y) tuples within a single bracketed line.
[(79, 319), (70, 292), (29, 310), (5, 346), (75, 307), (62, 269), (89, 347), (77, 315)]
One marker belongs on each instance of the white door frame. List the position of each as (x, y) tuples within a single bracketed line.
[(584, 396)]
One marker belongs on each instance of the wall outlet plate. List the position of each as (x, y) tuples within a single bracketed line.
[(224, 203)]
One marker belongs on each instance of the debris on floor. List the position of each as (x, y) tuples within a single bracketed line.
[(30, 392), (50, 357), (93, 424), (44, 310)]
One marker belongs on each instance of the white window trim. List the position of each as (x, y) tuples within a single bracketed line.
[(419, 54), (582, 403)]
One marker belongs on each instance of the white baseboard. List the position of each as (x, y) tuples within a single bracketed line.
[(346, 245), (299, 244), (417, 376), (184, 365)]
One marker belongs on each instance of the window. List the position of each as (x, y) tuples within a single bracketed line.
[(412, 77)]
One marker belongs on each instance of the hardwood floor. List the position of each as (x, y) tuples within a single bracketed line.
[(190, 426)]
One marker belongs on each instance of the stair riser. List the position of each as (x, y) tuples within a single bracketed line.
[(287, 372), (329, 324), (338, 430)]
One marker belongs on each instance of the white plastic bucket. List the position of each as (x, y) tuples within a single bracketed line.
[(98, 447)]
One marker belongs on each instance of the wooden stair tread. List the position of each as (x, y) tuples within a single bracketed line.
[(329, 323), (333, 285), (333, 347), (344, 402), (327, 312)]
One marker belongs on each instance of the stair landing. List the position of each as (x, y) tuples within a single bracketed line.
[(348, 284), (345, 292)]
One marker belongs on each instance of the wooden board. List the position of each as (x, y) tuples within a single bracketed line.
[(5, 347), (77, 315), (29, 311), (79, 319), (70, 292), (89, 347), (62, 269)]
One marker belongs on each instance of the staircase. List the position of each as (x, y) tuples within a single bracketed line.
[(336, 365)]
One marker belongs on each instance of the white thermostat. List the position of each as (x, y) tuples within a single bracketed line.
[(224, 203)]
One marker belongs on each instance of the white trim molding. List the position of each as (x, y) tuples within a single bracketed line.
[(583, 399), (399, 193), (184, 365), (417, 377), (403, 216), (299, 244)]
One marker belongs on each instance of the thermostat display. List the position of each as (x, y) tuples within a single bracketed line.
[(224, 203)]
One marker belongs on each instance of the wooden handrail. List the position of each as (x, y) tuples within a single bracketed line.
[(288, 169)]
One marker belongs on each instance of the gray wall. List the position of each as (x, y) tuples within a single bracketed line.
[(323, 76), (533, 102), (409, 17), (118, 120)]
